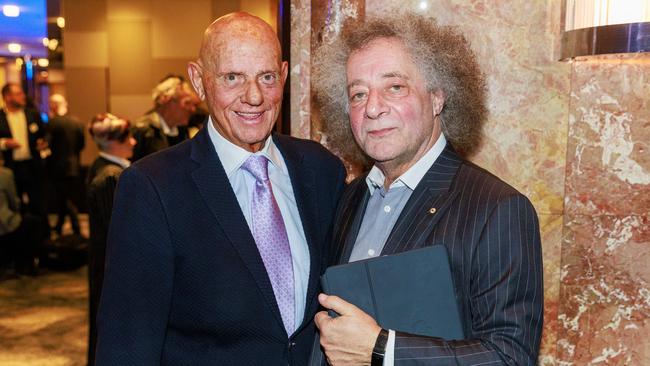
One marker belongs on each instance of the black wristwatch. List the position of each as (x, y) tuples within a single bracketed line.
[(380, 348)]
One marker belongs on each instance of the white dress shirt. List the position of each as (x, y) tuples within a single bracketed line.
[(18, 126), (243, 183)]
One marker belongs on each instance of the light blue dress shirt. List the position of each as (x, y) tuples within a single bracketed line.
[(243, 183), (382, 212)]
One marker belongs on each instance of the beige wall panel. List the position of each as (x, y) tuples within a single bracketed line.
[(86, 49), (129, 44), (129, 9), (177, 27), (163, 67), (130, 106), (86, 94), (261, 8), (84, 15), (220, 7)]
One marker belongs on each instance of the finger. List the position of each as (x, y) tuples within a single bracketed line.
[(320, 319), (337, 304)]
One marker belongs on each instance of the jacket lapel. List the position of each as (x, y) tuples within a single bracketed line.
[(303, 182), (427, 204), (349, 223), (214, 186)]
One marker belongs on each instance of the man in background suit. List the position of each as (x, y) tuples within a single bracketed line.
[(216, 244), (67, 139), (407, 112), (166, 125), (22, 138)]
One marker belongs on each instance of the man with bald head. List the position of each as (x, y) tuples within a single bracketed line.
[(216, 244)]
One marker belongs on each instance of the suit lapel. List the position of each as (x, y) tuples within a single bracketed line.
[(350, 222), (427, 204), (303, 182), (214, 186)]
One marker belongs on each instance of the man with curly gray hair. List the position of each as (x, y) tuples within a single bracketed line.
[(412, 95)]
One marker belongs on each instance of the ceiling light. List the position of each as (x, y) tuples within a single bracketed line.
[(46, 41), (60, 21), (11, 11), (43, 62), (14, 47), (53, 44)]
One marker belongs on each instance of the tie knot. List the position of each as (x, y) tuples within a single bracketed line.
[(258, 165)]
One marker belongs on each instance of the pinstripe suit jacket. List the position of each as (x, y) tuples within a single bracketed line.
[(492, 236)]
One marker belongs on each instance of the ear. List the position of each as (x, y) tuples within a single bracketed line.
[(195, 71), (438, 98), (284, 72)]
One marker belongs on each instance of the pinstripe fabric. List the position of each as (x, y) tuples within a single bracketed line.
[(492, 235)]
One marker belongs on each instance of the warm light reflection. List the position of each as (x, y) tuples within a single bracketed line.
[(14, 47), (594, 13), (60, 22), (43, 62), (53, 44), (46, 41), (423, 5), (11, 10), (19, 62)]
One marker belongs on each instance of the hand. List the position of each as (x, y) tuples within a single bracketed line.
[(11, 144), (349, 338), (41, 144)]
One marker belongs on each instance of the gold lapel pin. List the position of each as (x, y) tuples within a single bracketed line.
[(432, 210)]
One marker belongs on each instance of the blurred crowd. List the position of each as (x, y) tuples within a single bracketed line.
[(41, 172)]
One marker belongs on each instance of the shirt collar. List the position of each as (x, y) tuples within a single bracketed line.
[(412, 177), (233, 156), (169, 131), (124, 163)]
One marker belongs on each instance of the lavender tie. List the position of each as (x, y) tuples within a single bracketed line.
[(271, 238)]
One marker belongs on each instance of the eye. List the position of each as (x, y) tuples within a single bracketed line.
[(398, 89), (269, 78), (357, 97), (232, 79)]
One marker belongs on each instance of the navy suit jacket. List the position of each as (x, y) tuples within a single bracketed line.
[(491, 233), (184, 281)]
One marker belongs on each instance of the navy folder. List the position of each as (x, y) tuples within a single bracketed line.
[(411, 292)]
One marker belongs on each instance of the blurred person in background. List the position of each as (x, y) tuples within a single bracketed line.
[(115, 143), (23, 143), (166, 124), (66, 142), (19, 236)]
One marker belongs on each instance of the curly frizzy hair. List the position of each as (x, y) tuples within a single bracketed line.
[(442, 55)]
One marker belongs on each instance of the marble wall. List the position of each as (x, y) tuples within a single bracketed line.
[(574, 138)]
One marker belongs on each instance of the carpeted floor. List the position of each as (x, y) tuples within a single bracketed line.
[(43, 319)]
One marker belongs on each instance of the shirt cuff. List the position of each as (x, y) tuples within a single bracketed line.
[(389, 356)]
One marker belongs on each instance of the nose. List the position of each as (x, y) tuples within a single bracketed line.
[(375, 106), (253, 94)]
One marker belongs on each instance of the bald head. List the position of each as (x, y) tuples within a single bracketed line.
[(227, 31), (240, 74)]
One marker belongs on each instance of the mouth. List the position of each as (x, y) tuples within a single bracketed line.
[(249, 116), (380, 132)]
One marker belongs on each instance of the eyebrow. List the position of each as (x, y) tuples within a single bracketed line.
[(260, 73), (388, 75)]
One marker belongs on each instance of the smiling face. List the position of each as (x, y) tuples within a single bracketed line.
[(392, 115), (241, 77)]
